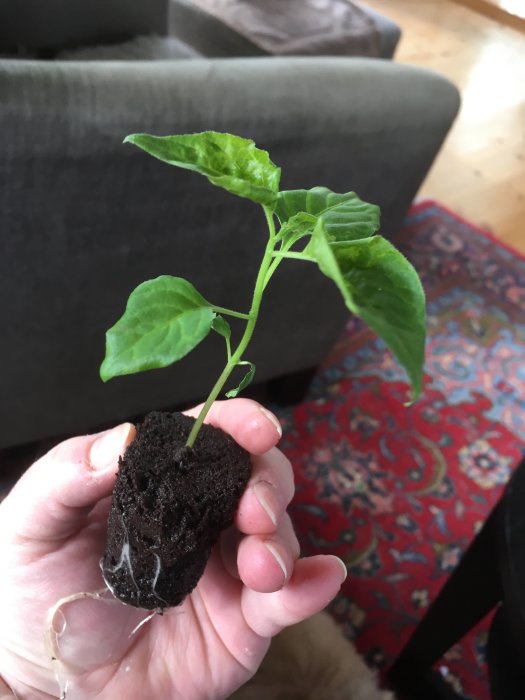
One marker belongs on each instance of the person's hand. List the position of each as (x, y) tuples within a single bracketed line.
[(52, 532)]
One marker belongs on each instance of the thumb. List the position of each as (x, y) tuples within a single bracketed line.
[(52, 499)]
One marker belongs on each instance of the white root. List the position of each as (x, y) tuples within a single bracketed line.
[(125, 559), (158, 567), (141, 624), (52, 634)]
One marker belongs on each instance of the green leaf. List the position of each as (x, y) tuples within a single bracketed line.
[(314, 201), (228, 161), (380, 286), (244, 382), (165, 318), (221, 326), (346, 217), (298, 226)]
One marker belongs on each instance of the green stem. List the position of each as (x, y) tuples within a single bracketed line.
[(248, 331), (229, 312), (275, 264), (278, 255)]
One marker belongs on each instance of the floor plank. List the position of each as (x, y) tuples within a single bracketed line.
[(480, 172)]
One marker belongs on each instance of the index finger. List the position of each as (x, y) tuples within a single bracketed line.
[(251, 425), (269, 491)]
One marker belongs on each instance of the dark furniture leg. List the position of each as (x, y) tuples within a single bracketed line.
[(429, 685), (507, 675)]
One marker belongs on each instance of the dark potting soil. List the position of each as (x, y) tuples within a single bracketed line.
[(170, 504)]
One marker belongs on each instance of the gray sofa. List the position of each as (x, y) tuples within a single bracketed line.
[(83, 218)]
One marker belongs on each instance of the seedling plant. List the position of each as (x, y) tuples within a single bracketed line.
[(166, 317)]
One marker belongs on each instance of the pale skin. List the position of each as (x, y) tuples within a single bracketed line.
[(52, 530)]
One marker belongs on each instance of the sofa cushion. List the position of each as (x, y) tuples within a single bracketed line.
[(142, 48)]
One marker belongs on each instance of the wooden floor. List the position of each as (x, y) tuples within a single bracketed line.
[(509, 12), (480, 172)]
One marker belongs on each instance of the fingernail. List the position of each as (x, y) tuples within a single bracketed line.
[(343, 567), (106, 450), (273, 420), (277, 556), (265, 494)]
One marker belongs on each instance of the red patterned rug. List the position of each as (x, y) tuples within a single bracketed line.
[(399, 492)]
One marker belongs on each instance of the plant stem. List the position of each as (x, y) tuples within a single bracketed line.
[(278, 255), (230, 312), (248, 331)]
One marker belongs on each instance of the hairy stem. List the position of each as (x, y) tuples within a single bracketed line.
[(248, 331)]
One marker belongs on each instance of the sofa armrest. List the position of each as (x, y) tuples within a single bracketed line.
[(84, 219)]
